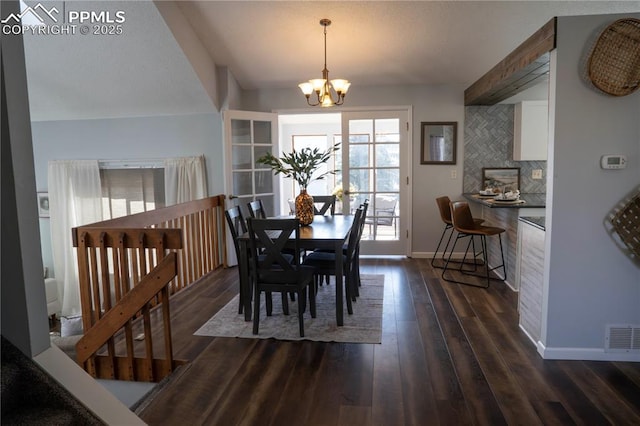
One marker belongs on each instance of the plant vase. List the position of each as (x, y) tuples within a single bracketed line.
[(304, 208)]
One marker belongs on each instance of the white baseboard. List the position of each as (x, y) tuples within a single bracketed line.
[(535, 343), (511, 287), (429, 255), (421, 255), (585, 354)]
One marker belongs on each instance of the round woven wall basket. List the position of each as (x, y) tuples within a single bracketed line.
[(614, 64)]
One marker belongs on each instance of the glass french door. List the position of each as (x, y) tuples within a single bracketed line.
[(249, 135), (375, 167)]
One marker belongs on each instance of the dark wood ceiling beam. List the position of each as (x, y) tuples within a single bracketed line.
[(519, 70), (533, 74)]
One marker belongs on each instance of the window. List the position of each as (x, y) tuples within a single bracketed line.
[(130, 191)]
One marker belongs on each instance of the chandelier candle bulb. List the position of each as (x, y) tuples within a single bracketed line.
[(307, 88), (340, 85), (318, 84)]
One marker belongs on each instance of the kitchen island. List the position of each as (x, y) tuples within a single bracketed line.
[(505, 215)]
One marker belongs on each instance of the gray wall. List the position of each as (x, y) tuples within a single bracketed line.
[(589, 281), (126, 138), (430, 103), (24, 310)]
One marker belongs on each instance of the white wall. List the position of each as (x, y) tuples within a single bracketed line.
[(590, 282), (430, 103), (126, 138), (230, 91)]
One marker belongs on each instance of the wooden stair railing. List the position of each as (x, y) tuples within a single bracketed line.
[(203, 235), (114, 258), (129, 366)]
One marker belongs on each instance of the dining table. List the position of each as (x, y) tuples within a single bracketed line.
[(325, 232)]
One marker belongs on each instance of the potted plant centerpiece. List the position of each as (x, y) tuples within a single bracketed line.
[(301, 167)]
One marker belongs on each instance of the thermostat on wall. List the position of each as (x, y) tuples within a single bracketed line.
[(613, 162)]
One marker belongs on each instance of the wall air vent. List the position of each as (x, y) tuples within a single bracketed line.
[(622, 338)]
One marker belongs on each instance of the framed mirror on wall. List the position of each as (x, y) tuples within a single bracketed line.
[(438, 142)]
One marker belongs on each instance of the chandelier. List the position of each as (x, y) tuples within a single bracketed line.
[(322, 86)]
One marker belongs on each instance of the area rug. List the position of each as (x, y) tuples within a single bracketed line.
[(364, 326)]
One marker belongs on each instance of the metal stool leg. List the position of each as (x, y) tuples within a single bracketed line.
[(444, 252), (485, 260)]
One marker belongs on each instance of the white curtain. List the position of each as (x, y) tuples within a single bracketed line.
[(185, 179), (75, 199)]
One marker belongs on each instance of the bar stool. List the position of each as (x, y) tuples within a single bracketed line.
[(445, 214), (464, 224)]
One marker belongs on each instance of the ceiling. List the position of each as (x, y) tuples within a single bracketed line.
[(279, 44), (276, 45)]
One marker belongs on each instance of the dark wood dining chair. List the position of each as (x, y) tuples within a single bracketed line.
[(324, 262), (273, 272), (323, 204), (466, 227), (364, 206), (237, 227), (256, 209)]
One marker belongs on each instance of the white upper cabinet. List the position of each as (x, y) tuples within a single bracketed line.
[(530, 131)]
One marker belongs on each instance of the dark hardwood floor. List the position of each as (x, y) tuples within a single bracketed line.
[(450, 355)]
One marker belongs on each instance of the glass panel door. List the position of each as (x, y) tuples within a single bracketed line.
[(375, 168), (248, 135)]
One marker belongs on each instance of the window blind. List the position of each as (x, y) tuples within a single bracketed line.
[(130, 191)]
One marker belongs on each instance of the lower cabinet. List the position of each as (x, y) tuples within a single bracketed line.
[(531, 257)]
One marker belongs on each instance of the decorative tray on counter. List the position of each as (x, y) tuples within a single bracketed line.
[(480, 195)]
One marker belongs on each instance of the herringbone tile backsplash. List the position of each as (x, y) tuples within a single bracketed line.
[(488, 142)]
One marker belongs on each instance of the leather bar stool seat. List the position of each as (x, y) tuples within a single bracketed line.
[(466, 227), (445, 215)]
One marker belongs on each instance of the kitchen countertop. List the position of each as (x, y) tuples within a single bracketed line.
[(536, 221), (530, 201)]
